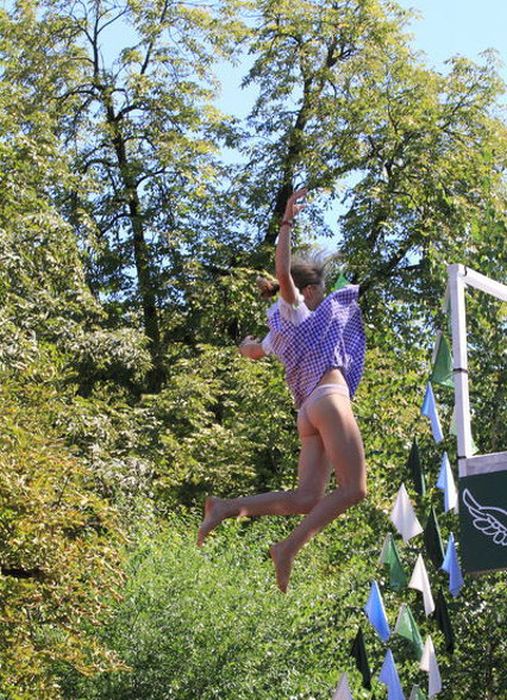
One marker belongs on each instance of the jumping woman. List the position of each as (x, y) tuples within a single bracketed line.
[(320, 342)]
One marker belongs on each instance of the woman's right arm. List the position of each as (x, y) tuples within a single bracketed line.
[(250, 347), (288, 290)]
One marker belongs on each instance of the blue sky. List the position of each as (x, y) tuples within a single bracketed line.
[(444, 28), (465, 27)]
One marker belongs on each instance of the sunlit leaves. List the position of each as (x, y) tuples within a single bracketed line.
[(58, 552)]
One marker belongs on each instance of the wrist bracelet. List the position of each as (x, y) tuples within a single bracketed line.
[(286, 222)]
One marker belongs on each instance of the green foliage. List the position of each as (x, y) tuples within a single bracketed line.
[(226, 425), (128, 256), (211, 623), (119, 355), (59, 551)]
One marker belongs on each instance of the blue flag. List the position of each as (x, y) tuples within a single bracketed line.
[(429, 409), (453, 568), (446, 484), (389, 677), (376, 613)]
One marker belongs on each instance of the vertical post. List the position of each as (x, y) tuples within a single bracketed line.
[(457, 274)]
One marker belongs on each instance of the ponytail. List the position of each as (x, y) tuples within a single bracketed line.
[(267, 287)]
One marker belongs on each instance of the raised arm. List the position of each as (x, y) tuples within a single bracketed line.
[(288, 289)]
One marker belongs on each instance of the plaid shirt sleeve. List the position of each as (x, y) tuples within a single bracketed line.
[(294, 313)]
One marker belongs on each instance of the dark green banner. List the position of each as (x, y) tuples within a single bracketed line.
[(483, 519)]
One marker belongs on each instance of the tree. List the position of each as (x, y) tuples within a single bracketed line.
[(342, 98), (138, 124)]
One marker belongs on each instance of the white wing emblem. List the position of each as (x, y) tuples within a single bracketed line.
[(488, 520)]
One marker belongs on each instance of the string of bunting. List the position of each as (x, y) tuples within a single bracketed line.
[(405, 520)]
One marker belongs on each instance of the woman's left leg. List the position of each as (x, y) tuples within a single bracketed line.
[(334, 420), (313, 476)]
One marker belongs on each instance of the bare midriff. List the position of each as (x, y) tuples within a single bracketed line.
[(332, 376)]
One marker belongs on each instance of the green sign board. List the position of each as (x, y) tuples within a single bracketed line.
[(483, 521)]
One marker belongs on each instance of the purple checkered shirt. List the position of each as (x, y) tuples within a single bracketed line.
[(329, 337)]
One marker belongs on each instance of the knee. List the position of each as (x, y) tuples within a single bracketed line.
[(306, 501), (361, 493), (357, 493)]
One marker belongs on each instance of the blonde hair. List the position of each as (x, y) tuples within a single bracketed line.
[(304, 271)]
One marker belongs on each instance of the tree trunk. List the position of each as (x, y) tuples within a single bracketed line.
[(146, 286)]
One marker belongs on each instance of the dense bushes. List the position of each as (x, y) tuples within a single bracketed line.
[(60, 550), (211, 624)]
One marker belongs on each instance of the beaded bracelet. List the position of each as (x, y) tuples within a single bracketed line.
[(286, 222)]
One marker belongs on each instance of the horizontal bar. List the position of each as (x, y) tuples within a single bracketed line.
[(485, 284)]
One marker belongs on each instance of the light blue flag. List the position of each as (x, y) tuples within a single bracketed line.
[(389, 677), (452, 566), (446, 484), (376, 613), (429, 410)]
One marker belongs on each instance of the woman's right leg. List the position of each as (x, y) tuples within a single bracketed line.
[(313, 475)]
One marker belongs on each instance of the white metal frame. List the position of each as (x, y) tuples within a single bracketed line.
[(459, 278)]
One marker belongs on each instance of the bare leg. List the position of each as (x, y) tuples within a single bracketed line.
[(335, 422), (313, 475)]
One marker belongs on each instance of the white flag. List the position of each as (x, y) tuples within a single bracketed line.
[(430, 665), (404, 517), (343, 691), (420, 582)]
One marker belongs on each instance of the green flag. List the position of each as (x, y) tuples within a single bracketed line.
[(433, 540), (417, 694), (414, 465), (442, 367), (441, 615), (358, 651), (341, 281), (391, 559), (407, 627)]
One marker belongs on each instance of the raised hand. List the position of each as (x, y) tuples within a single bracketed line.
[(295, 204)]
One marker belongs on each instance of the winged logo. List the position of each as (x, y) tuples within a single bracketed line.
[(487, 519)]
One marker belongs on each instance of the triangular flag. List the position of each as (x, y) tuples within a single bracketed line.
[(358, 652), (453, 568), (417, 694), (343, 691), (391, 559), (414, 465), (407, 627), (442, 373), (453, 430), (429, 409), (341, 281), (430, 665), (376, 613), (389, 676), (447, 484), (441, 615), (433, 540), (420, 582), (403, 516)]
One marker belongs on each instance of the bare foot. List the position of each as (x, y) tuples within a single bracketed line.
[(283, 564), (214, 513)]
